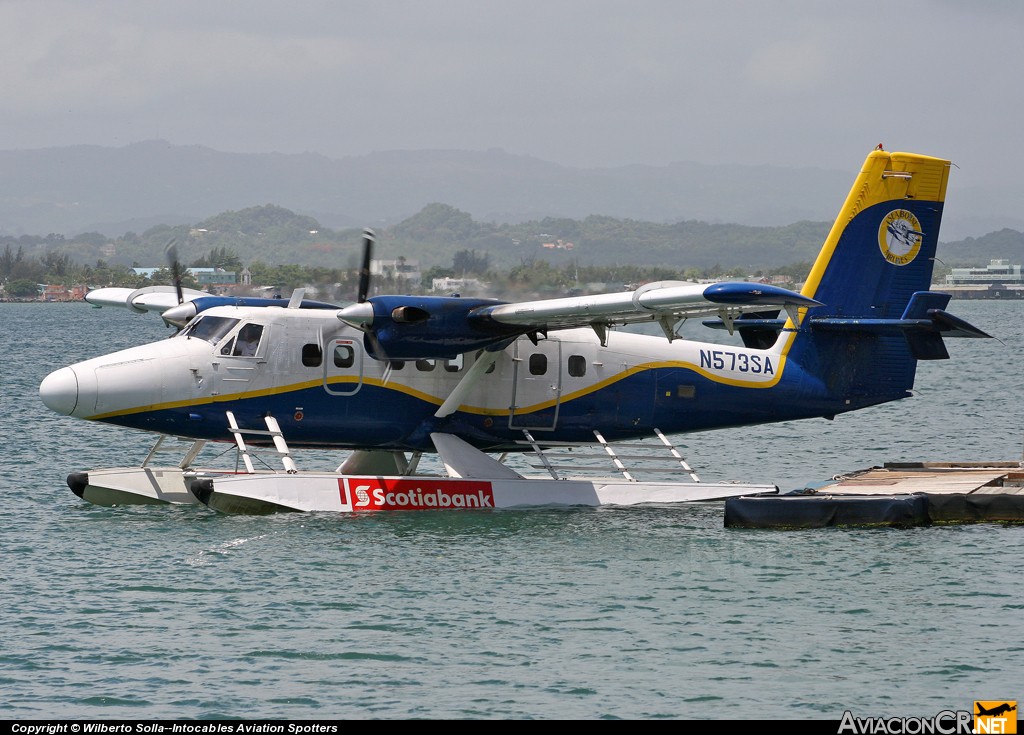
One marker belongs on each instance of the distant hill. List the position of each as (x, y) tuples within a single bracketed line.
[(439, 235), (113, 191), (1005, 244)]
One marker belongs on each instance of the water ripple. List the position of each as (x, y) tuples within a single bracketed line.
[(611, 614)]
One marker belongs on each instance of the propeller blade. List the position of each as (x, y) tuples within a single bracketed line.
[(378, 349), (369, 237), (172, 257), (361, 317)]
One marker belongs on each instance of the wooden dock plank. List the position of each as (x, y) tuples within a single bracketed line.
[(931, 479)]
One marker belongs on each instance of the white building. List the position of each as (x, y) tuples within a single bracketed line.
[(997, 271), (463, 286), (401, 268)]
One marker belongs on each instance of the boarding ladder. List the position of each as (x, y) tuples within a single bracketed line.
[(638, 453), (273, 430)]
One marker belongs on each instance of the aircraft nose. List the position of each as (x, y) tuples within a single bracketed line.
[(59, 391)]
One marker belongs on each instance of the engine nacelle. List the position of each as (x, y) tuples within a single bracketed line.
[(425, 327)]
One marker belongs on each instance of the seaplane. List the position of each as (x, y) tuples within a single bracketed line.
[(400, 382)]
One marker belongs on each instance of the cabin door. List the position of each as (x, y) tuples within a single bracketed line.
[(536, 385), (343, 366), (241, 359)]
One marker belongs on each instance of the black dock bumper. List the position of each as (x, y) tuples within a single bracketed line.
[(900, 511), (801, 511)]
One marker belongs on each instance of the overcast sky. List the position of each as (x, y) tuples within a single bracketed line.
[(590, 83)]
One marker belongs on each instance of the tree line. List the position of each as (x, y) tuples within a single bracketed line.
[(286, 250), (21, 275)]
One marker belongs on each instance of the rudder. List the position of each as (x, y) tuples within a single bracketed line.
[(879, 253), (882, 246)]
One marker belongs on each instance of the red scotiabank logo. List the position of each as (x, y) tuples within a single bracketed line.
[(382, 493)]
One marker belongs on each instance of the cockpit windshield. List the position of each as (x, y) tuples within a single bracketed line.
[(210, 328)]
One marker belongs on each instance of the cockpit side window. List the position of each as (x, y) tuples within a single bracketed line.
[(210, 328), (248, 340)]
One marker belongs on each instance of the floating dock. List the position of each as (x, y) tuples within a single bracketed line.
[(896, 494)]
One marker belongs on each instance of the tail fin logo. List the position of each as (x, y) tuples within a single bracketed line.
[(900, 236)]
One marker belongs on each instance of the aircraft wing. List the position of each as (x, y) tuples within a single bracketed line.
[(414, 327), (164, 300), (150, 298), (665, 302)]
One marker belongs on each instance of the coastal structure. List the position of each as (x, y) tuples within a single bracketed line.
[(998, 280)]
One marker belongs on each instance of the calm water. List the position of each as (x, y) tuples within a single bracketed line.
[(161, 612)]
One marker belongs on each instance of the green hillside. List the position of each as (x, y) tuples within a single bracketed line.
[(446, 241)]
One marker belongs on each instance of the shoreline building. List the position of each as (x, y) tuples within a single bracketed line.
[(998, 280)]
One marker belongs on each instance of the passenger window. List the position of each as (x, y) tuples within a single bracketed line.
[(577, 366), (344, 356), (425, 366), (312, 355), (538, 363)]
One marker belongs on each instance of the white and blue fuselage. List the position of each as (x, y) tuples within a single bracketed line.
[(388, 372), (314, 375)]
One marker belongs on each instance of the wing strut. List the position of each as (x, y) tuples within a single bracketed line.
[(454, 399)]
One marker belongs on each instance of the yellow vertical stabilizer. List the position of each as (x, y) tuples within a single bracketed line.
[(884, 177)]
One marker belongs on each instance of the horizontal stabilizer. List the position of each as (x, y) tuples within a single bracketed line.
[(954, 326), (923, 324), (939, 322), (930, 305)]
